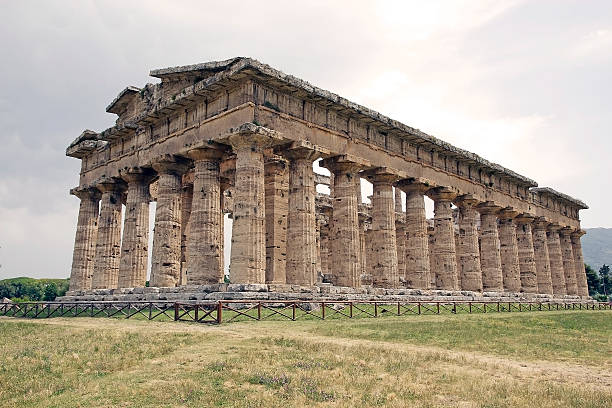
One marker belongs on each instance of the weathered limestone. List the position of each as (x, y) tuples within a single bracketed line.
[(204, 256), (542, 260), (556, 260), (581, 279), (567, 255), (384, 255), (397, 194), (277, 204), (400, 240), (364, 253), (345, 224), (509, 251), (186, 198), (468, 252), (108, 250), (490, 259), (417, 238), (166, 256), (85, 239), (135, 243), (248, 254), (444, 261), (301, 228), (326, 249), (524, 238)]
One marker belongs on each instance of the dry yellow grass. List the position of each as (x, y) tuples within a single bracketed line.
[(426, 361)]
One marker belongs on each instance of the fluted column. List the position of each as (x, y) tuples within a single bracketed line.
[(490, 258), (204, 265), (400, 239), (468, 252), (364, 255), (509, 251), (108, 250), (346, 265), (166, 256), (301, 228), (384, 263), (567, 254), (542, 260), (556, 260), (524, 238), (416, 248), (186, 199), (135, 243), (326, 250), (276, 177), (248, 254), (444, 261), (397, 194), (581, 279), (85, 238)]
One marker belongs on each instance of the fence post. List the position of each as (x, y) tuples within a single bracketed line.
[(351, 310), (197, 312), (438, 306), (219, 312), (398, 308), (176, 311), (470, 304), (323, 310), (259, 311), (293, 312), (375, 309), (419, 307)]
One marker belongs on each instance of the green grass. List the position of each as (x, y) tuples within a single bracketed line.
[(540, 359)]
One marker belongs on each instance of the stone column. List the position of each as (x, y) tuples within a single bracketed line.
[(509, 251), (326, 252), (397, 194), (490, 258), (468, 252), (364, 255), (567, 254), (248, 254), (540, 248), (556, 260), (345, 222), (416, 247), (276, 177), (384, 263), (186, 198), (400, 239), (204, 256), (85, 238), (301, 228), (166, 257), (444, 261), (108, 243), (581, 279), (358, 188), (524, 237), (135, 244)]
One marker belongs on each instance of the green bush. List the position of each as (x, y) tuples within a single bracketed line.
[(29, 289)]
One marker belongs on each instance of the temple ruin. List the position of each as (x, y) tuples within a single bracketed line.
[(239, 137)]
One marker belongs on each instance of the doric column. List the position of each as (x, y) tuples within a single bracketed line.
[(468, 252), (346, 265), (542, 260), (166, 257), (416, 248), (384, 263), (186, 198), (364, 256), (326, 252), (397, 194), (358, 188), (581, 279), (567, 254), (135, 243), (509, 251), (276, 177), (248, 254), (524, 238), (490, 258), (400, 239), (204, 265), (444, 261), (108, 250), (556, 260), (301, 228), (85, 238)]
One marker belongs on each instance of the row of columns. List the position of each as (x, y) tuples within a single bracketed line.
[(276, 237)]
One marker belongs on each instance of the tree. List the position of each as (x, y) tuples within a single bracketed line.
[(50, 292), (593, 281), (604, 277)]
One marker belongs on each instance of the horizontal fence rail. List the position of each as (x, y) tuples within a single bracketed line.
[(257, 310)]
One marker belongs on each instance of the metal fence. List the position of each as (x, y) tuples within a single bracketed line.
[(257, 310)]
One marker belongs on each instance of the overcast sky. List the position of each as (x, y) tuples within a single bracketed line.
[(526, 84)]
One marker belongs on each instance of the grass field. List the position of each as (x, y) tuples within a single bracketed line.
[(539, 359)]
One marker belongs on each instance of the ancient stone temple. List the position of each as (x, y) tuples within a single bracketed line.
[(238, 137)]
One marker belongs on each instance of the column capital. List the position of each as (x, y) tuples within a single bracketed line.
[(85, 192), (385, 175), (488, 207), (110, 184), (553, 227), (302, 150), (578, 233), (540, 223), (131, 174), (566, 230), (525, 218), (170, 164), (251, 136), (441, 194), (344, 163), (507, 213), (466, 201), (418, 185), (208, 154)]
